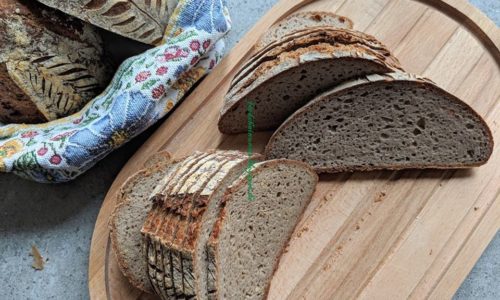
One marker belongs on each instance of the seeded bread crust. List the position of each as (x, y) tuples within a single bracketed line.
[(272, 151), (232, 118), (302, 21), (160, 169), (212, 246), (310, 37)]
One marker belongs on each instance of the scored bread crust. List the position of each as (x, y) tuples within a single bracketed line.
[(122, 200), (167, 230), (307, 38), (185, 211), (315, 15), (158, 260), (384, 78), (182, 197), (288, 61), (213, 241)]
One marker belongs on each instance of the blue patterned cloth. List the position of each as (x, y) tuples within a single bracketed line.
[(144, 89)]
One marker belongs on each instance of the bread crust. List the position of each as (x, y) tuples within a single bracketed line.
[(318, 15), (375, 79), (306, 38)]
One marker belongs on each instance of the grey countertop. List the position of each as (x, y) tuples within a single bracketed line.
[(59, 219)]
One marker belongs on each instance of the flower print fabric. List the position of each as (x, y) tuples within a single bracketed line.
[(144, 89)]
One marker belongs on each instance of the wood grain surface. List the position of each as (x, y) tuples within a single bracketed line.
[(376, 235)]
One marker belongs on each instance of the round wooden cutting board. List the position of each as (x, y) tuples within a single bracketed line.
[(406, 234)]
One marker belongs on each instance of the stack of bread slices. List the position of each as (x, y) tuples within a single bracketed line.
[(340, 101), (212, 225)]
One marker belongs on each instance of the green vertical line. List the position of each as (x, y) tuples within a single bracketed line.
[(250, 120)]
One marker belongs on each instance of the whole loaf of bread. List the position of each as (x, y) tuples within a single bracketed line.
[(51, 64)]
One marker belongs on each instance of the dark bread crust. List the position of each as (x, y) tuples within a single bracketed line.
[(43, 43), (213, 241), (384, 79)]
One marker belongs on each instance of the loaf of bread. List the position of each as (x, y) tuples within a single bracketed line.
[(51, 65), (294, 70), (391, 121), (143, 21)]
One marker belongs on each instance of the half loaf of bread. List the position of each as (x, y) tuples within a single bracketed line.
[(286, 77), (392, 121)]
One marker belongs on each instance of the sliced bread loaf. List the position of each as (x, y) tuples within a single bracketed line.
[(392, 121), (197, 183), (300, 21), (279, 87), (159, 269), (203, 215), (177, 198), (157, 158), (255, 225), (127, 218), (306, 39)]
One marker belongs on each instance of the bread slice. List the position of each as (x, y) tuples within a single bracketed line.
[(392, 121), (128, 217), (254, 227), (159, 269), (280, 87), (299, 21), (305, 39)]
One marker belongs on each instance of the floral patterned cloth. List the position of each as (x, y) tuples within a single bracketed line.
[(144, 89)]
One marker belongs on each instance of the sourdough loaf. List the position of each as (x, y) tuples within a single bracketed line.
[(278, 87), (254, 227), (133, 204), (50, 64), (159, 260), (144, 21), (392, 121), (299, 21), (304, 39)]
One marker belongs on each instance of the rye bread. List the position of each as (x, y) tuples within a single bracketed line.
[(280, 87), (143, 21), (204, 212), (128, 217), (391, 121), (157, 266), (168, 231), (300, 21), (251, 233), (201, 179), (157, 158), (305, 39), (51, 64)]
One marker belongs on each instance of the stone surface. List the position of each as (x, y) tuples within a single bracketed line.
[(59, 219)]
